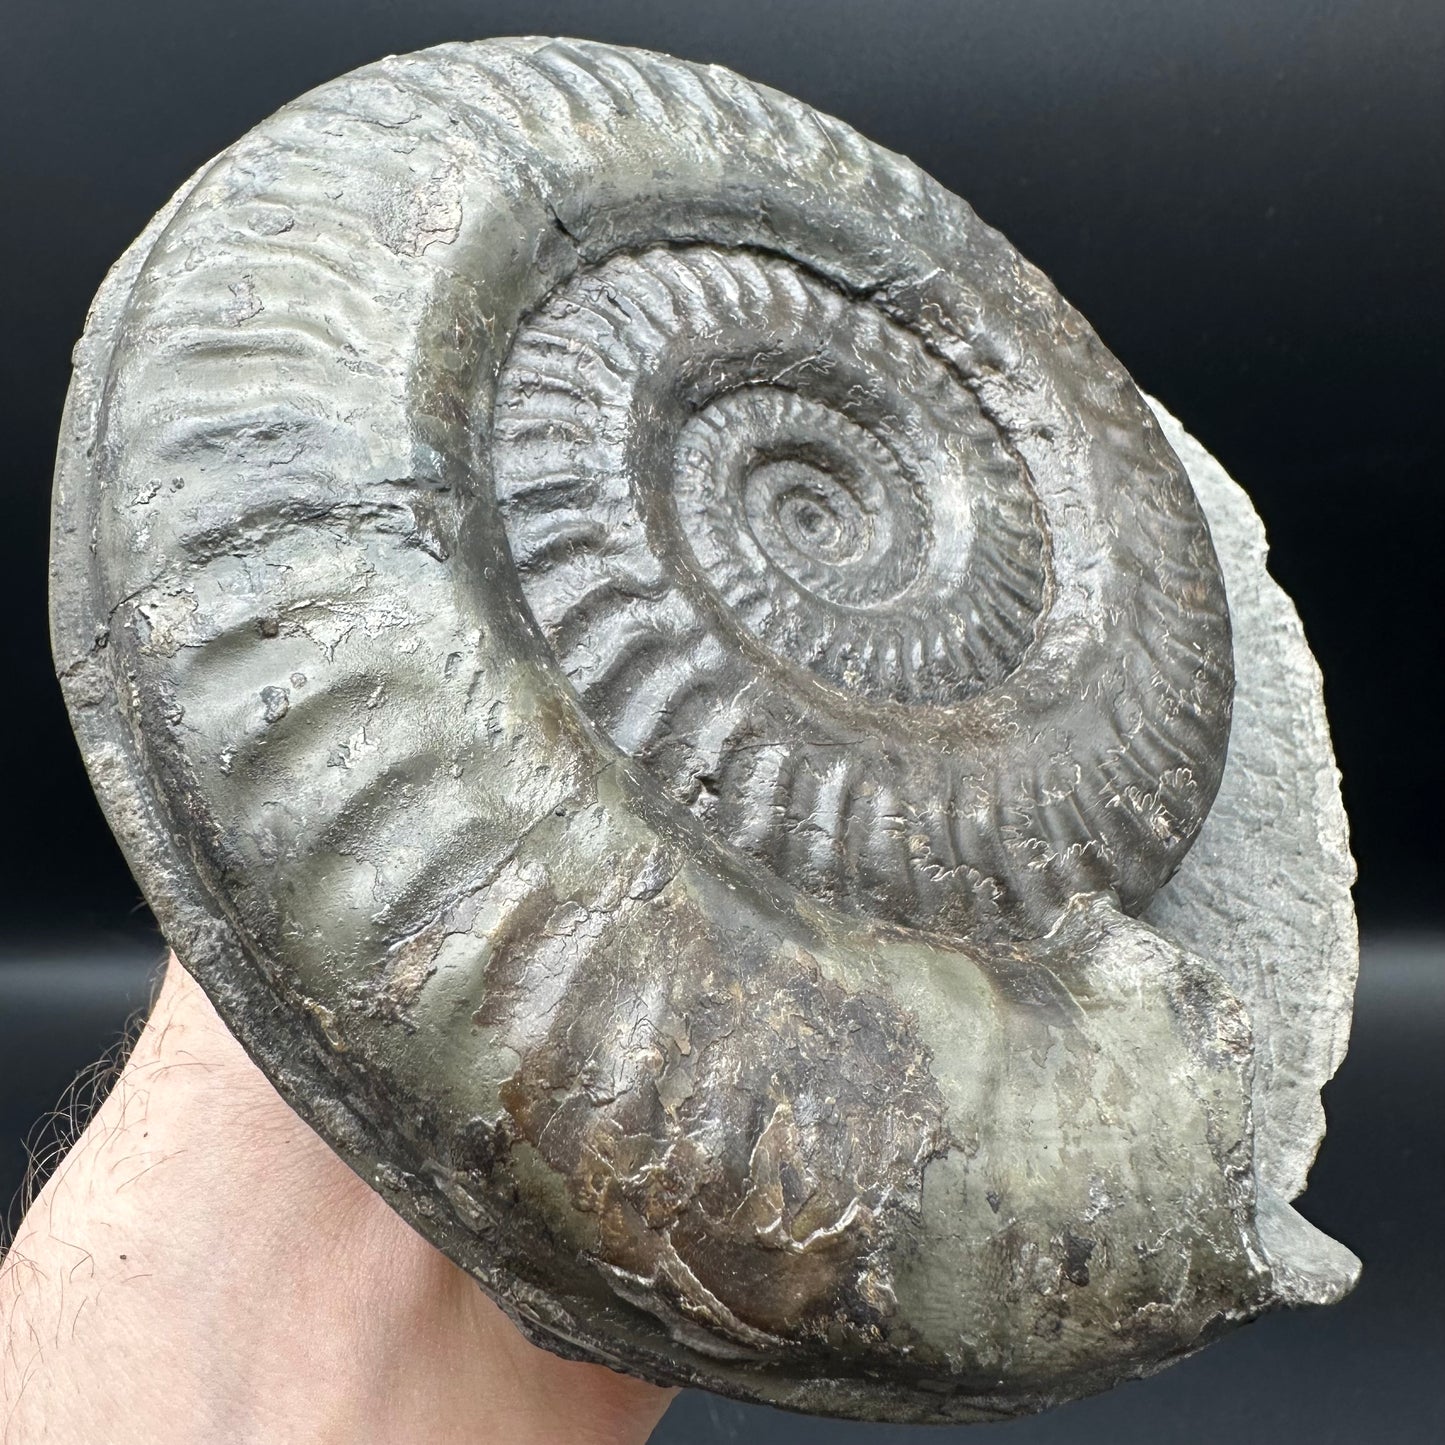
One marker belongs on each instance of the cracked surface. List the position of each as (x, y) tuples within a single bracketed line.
[(910, 1117)]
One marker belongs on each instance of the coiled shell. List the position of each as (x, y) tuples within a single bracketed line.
[(649, 661)]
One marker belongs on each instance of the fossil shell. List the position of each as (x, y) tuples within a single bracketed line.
[(652, 666)]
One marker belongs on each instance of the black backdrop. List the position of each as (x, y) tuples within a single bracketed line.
[(1246, 199)]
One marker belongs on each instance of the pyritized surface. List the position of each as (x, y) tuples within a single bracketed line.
[(651, 666)]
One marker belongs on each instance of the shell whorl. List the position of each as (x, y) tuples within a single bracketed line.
[(634, 642), (724, 422), (787, 560)]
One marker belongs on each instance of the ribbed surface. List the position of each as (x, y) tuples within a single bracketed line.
[(633, 408), (724, 481), (511, 458)]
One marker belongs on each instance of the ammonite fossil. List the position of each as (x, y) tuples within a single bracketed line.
[(660, 675)]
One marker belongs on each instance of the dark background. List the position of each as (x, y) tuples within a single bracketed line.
[(1245, 197)]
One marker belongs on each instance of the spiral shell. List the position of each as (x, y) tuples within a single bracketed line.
[(787, 559), (648, 661)]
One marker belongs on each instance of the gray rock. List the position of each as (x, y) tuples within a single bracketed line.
[(659, 675), (1265, 893)]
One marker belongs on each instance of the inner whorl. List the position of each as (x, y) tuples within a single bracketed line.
[(787, 561)]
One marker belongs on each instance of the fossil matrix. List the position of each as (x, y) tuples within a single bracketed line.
[(682, 706)]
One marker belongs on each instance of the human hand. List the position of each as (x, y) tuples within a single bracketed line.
[(201, 1266)]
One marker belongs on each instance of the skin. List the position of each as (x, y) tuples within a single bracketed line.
[(202, 1267)]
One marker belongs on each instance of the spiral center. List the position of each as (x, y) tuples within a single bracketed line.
[(707, 454), (815, 516), (770, 483)]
